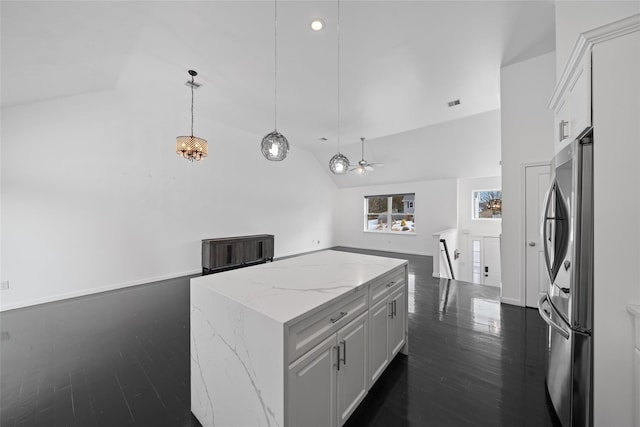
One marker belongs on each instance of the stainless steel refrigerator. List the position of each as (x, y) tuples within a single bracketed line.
[(567, 306)]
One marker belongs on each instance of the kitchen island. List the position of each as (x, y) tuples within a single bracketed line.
[(295, 342)]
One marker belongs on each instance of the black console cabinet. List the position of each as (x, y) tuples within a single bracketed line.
[(234, 252)]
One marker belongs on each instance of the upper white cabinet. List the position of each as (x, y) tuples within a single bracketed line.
[(571, 102)]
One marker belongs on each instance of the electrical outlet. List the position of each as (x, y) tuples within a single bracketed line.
[(4, 285)]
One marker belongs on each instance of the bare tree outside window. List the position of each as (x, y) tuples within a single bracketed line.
[(487, 204)]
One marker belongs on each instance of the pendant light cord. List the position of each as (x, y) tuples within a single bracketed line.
[(338, 76), (192, 83), (275, 71)]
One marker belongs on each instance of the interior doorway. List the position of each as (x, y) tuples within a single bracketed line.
[(485, 260), (535, 276)]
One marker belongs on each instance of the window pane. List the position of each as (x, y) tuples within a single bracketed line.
[(487, 204), (401, 218), (377, 213), (402, 213)]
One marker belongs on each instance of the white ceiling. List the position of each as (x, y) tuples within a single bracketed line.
[(400, 63)]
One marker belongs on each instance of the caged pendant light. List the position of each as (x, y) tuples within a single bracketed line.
[(339, 163), (191, 147), (274, 145)]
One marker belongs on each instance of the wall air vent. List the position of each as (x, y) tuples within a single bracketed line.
[(453, 103)]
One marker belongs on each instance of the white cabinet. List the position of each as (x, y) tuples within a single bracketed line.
[(571, 102), (329, 381), (290, 340), (397, 321), (388, 328), (351, 370), (379, 342), (312, 387)]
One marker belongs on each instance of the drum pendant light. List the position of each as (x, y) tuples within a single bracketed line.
[(191, 147)]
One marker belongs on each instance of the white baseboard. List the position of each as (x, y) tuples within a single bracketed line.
[(91, 291), (511, 301)]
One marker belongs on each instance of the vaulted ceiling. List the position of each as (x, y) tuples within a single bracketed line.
[(400, 63)]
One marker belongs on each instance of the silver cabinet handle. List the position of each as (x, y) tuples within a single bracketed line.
[(338, 350), (532, 244), (395, 313), (391, 309), (339, 316), (390, 284), (344, 352), (546, 316), (561, 128)]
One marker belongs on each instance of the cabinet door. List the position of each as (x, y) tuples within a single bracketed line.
[(378, 339), (228, 253), (352, 372), (562, 123), (580, 98), (312, 387), (397, 321)]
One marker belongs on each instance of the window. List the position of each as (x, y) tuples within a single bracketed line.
[(486, 204), (393, 213)]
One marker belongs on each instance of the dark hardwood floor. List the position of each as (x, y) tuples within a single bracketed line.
[(121, 358)]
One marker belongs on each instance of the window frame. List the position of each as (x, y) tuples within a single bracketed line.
[(389, 214), (473, 204)]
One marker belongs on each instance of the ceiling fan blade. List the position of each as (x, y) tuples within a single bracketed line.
[(368, 167), (376, 164)]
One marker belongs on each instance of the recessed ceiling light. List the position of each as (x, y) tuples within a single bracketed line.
[(317, 24)]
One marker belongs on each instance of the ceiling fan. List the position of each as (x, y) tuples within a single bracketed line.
[(363, 165)]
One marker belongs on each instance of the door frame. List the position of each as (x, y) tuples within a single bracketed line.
[(523, 227)]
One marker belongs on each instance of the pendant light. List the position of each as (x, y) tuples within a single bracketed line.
[(191, 147), (339, 164), (274, 145)]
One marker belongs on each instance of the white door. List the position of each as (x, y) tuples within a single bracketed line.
[(536, 186), (396, 322), (312, 387), (352, 372), (379, 339), (492, 271)]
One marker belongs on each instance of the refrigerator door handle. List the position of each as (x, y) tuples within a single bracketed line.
[(546, 316), (547, 235)]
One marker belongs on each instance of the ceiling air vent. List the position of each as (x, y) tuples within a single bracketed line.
[(322, 139), (453, 103)]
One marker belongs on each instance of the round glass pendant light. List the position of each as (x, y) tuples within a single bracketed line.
[(339, 164), (274, 145)]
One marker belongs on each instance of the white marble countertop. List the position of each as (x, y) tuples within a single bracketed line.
[(288, 288), (634, 309)]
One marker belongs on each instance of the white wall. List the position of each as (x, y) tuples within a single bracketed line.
[(436, 210), (94, 196), (616, 271), (469, 227), (527, 137), (577, 16)]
